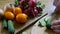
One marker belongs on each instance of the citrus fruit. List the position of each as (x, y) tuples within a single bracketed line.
[(9, 15), (21, 18), (17, 10)]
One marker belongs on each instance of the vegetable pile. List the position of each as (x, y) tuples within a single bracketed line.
[(19, 12), (30, 7)]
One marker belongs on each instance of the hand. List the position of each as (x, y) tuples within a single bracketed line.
[(57, 4), (55, 25)]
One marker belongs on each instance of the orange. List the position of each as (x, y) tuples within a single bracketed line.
[(9, 15), (21, 18), (17, 10)]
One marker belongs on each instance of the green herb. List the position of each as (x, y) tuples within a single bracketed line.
[(43, 6), (38, 3), (16, 2)]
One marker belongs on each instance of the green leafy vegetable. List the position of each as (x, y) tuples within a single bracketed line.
[(16, 2), (38, 3), (43, 6)]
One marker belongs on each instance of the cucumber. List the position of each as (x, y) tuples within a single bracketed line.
[(5, 24), (48, 22), (11, 27), (42, 23), (45, 22)]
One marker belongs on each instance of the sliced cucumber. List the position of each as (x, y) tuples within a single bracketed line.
[(42, 23), (45, 22)]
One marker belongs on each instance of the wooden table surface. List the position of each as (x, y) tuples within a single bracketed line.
[(48, 4)]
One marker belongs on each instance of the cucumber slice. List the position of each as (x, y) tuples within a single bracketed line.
[(42, 23)]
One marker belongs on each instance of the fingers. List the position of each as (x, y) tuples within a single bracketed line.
[(55, 2), (57, 31), (57, 27), (55, 22)]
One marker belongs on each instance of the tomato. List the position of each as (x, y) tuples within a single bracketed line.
[(21, 18), (9, 15), (17, 10)]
